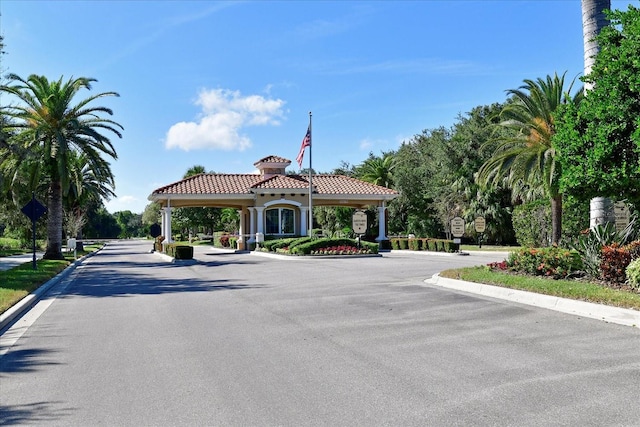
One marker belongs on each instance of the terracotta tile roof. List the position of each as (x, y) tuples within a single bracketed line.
[(341, 184), (212, 183), (247, 183), (272, 159), (283, 181)]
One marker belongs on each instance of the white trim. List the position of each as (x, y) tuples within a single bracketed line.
[(282, 202)]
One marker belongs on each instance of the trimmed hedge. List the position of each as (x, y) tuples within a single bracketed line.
[(422, 244), (272, 245), (179, 251)]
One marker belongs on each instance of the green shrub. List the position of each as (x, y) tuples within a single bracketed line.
[(300, 241), (179, 251), (275, 244), (404, 243), (414, 244), (633, 274), (395, 244), (431, 245), (552, 262), (532, 223), (449, 246), (183, 252), (589, 245)]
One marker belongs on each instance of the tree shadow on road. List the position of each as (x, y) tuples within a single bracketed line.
[(27, 360), (32, 413)]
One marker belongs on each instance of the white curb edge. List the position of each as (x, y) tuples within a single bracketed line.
[(621, 316)]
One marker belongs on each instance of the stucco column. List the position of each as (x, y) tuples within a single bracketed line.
[(252, 225), (260, 220), (168, 224), (241, 230), (304, 210), (382, 226), (163, 222)]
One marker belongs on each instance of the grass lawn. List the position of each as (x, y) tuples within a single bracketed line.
[(574, 289), (19, 281)]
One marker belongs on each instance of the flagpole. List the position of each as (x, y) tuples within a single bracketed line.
[(310, 180)]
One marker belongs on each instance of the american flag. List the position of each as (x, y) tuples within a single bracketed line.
[(306, 142)]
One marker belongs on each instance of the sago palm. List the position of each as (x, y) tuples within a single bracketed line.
[(527, 159), (52, 129)]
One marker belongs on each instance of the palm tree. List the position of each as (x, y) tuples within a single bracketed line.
[(52, 129), (528, 157), (89, 180), (378, 170), (593, 20), (194, 170)]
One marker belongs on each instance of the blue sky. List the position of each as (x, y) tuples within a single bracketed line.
[(223, 84)]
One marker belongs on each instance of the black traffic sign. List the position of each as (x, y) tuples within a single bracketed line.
[(34, 209), (155, 230)]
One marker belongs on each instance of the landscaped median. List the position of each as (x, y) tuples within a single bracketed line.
[(319, 247)]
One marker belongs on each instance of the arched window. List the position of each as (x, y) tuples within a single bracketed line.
[(280, 221)]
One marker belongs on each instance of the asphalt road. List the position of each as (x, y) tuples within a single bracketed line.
[(242, 340)]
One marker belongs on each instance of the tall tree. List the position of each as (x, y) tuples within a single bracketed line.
[(529, 157), (599, 140), (193, 218), (90, 179), (50, 128), (594, 19)]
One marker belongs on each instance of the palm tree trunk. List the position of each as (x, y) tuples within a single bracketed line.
[(556, 219), (593, 20), (54, 222)]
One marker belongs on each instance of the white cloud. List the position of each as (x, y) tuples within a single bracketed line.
[(366, 144), (126, 203), (224, 114)]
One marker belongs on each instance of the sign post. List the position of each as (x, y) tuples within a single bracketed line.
[(480, 224), (155, 231), (34, 210), (457, 230), (359, 223)]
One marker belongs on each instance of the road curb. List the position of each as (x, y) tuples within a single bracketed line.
[(620, 316), (11, 315)]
